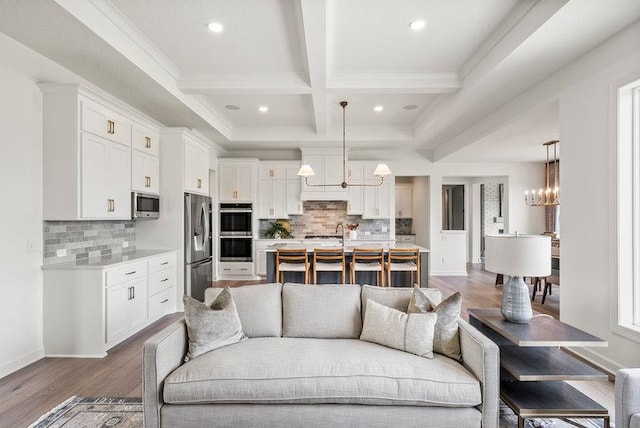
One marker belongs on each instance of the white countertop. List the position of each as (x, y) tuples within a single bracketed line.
[(347, 249), (109, 261)]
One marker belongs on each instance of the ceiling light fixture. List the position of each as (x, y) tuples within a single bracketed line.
[(551, 195), (417, 25), (381, 170), (216, 27), (263, 109), (378, 108)]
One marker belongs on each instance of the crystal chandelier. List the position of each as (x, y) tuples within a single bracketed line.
[(381, 170), (551, 195)]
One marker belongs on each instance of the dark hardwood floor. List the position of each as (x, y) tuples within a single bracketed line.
[(35, 389)]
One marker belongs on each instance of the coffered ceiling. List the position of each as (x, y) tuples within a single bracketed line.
[(300, 58)]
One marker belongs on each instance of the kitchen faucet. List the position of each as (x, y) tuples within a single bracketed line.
[(340, 225)]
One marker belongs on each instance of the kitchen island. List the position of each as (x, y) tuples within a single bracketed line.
[(399, 279)]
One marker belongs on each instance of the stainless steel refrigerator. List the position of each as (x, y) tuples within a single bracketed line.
[(197, 245)]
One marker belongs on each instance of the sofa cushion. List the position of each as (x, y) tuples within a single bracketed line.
[(322, 311), (259, 308), (394, 297), (399, 330), (211, 327), (341, 371), (446, 339)]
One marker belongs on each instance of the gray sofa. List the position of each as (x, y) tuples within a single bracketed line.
[(628, 398), (303, 365)]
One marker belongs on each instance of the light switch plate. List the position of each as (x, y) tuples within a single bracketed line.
[(61, 252)]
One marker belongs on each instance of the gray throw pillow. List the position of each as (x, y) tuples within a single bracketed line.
[(446, 339), (211, 327), (396, 329)]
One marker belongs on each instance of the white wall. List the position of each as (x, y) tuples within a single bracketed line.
[(20, 220), (586, 121)]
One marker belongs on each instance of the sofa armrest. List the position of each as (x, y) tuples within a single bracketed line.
[(162, 354), (627, 396), (481, 356)]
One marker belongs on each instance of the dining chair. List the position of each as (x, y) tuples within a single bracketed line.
[(292, 260), (367, 260), (404, 260), (328, 260)]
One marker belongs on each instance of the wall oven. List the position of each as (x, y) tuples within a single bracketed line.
[(236, 237)]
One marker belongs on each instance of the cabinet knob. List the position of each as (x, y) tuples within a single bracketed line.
[(199, 184)]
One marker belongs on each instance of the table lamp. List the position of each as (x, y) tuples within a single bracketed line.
[(517, 256)]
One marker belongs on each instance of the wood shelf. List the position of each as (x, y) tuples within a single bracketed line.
[(541, 363)]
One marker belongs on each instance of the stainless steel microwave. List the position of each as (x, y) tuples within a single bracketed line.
[(145, 205)]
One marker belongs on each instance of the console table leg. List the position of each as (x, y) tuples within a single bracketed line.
[(607, 422), (521, 422)]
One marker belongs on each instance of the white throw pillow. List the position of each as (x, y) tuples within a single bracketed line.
[(396, 329)]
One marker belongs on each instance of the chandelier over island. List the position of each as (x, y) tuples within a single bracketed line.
[(550, 196), (381, 170)]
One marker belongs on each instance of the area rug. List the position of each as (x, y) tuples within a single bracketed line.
[(79, 412)]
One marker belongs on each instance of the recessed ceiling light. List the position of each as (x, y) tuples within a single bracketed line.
[(216, 27), (263, 109), (410, 107), (231, 107), (417, 25), (378, 108)]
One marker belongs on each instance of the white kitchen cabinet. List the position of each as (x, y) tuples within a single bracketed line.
[(355, 204), (268, 171), (106, 179), (116, 300), (294, 187), (260, 246), (404, 200), (145, 140), (272, 199), (328, 168), (145, 172), (407, 239), (377, 199), (87, 165), (196, 167), (126, 309), (237, 180)]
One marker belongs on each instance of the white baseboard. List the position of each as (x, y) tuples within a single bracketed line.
[(448, 273), (76, 355), (25, 360), (596, 359)]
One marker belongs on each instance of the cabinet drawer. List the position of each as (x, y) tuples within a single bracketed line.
[(235, 268), (100, 121), (160, 280), (162, 262), (145, 140), (126, 273), (406, 238), (162, 303)]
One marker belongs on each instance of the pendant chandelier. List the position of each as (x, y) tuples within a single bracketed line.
[(551, 195), (381, 170)]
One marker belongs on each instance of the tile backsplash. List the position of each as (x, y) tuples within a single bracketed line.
[(403, 226), (321, 218), (84, 239)]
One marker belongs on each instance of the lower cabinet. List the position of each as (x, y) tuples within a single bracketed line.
[(88, 308)]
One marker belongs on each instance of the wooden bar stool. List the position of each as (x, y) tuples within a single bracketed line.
[(403, 260), (367, 260), (328, 260), (292, 260)]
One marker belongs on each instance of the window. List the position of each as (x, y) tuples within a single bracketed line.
[(627, 302)]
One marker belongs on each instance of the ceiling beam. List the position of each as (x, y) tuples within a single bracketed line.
[(110, 24), (452, 115), (284, 83), (394, 83), (314, 25)]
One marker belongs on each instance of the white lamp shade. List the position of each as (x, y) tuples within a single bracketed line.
[(382, 169), (306, 171), (522, 255)]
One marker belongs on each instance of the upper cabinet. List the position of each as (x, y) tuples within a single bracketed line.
[(378, 200), (404, 200), (87, 158), (145, 160), (328, 167), (196, 167), (355, 174), (237, 180), (278, 190)]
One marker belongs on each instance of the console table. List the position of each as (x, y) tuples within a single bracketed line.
[(533, 368)]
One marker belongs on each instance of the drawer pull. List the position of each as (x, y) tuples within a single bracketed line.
[(164, 263), (164, 280), (244, 269), (131, 273), (147, 141), (227, 269), (164, 301)]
